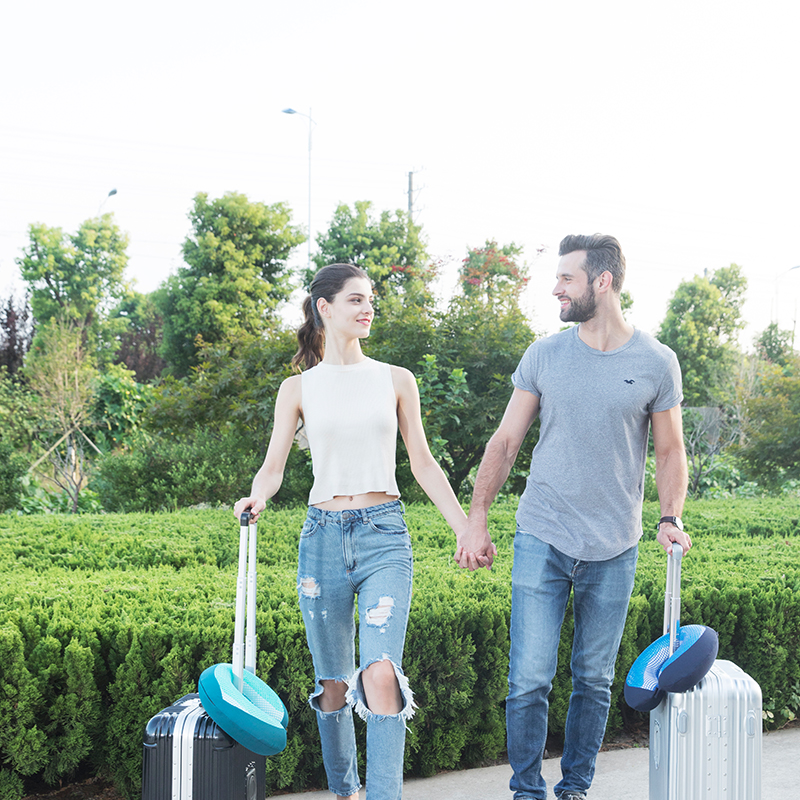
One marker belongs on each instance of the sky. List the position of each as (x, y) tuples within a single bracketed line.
[(673, 127)]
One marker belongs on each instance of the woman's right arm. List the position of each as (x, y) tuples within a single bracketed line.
[(269, 477)]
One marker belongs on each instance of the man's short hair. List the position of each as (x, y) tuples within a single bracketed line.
[(603, 253)]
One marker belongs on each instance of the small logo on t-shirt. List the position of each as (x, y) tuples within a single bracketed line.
[(629, 381)]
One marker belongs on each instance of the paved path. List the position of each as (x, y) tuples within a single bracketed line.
[(620, 775)]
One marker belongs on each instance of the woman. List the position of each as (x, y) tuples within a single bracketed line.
[(354, 542)]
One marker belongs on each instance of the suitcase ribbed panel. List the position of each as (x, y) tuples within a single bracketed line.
[(705, 744), (188, 757)]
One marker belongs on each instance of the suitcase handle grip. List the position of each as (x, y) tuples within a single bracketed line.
[(672, 595)]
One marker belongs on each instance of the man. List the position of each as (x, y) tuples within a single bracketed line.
[(597, 387)]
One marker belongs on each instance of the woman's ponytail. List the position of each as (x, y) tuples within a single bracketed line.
[(310, 337)]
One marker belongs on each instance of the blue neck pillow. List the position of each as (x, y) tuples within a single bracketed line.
[(655, 671), (255, 717)]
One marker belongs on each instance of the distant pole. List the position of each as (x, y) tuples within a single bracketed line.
[(311, 123), (777, 278)]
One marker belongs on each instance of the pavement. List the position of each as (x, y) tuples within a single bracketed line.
[(620, 775)]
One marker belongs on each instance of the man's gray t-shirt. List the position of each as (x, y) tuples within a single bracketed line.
[(584, 493)]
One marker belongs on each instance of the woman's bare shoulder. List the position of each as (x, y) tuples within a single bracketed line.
[(403, 381)]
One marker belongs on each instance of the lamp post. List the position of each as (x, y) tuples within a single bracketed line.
[(105, 200), (311, 123)]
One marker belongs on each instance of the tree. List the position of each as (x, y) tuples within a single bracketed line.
[(702, 321), (771, 451), (234, 279), (20, 417), (485, 333), (77, 278), (16, 334), (388, 246), (226, 391), (140, 338), (707, 432), (61, 372), (774, 345), (491, 274)]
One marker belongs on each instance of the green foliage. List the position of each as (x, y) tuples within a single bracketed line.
[(491, 273), (108, 619), (485, 333), (405, 328), (207, 433), (442, 399), (389, 247), (771, 451), (62, 372), (12, 469), (119, 405), (161, 474), (19, 412), (224, 390), (77, 277), (702, 321), (235, 275), (775, 345), (22, 742), (11, 785)]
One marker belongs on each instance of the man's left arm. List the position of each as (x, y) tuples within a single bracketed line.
[(672, 475)]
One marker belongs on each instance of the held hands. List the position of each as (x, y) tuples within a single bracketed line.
[(252, 504), (475, 548), (669, 533)]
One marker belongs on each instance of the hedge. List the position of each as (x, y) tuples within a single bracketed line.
[(108, 618)]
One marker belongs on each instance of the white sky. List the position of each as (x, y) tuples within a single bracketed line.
[(671, 126)]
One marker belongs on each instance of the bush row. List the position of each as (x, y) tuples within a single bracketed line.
[(108, 618)]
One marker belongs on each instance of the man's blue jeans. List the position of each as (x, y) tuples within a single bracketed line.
[(542, 579)]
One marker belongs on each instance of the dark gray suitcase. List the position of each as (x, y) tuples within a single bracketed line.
[(187, 756), (705, 744)]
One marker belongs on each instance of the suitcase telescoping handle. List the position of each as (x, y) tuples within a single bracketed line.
[(672, 596), (244, 650)]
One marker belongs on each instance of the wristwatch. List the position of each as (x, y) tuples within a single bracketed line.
[(676, 521)]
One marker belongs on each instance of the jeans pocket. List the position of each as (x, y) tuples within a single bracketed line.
[(392, 523), (309, 528)]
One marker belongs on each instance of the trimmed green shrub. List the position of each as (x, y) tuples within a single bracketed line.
[(109, 618), (209, 467)]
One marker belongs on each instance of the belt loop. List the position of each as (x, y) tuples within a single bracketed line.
[(402, 505), (364, 516)]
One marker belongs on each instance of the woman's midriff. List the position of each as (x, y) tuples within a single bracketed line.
[(343, 502)]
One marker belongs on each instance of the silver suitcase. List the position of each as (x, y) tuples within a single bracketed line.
[(705, 744)]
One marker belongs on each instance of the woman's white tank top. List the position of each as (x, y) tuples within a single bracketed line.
[(350, 419)]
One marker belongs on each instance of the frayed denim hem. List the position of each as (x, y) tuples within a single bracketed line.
[(356, 698)]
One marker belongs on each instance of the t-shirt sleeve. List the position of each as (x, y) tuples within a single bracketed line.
[(525, 375), (670, 392)]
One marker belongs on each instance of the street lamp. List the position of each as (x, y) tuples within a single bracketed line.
[(311, 123), (105, 200)]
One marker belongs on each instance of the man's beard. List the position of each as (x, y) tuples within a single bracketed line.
[(580, 309)]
